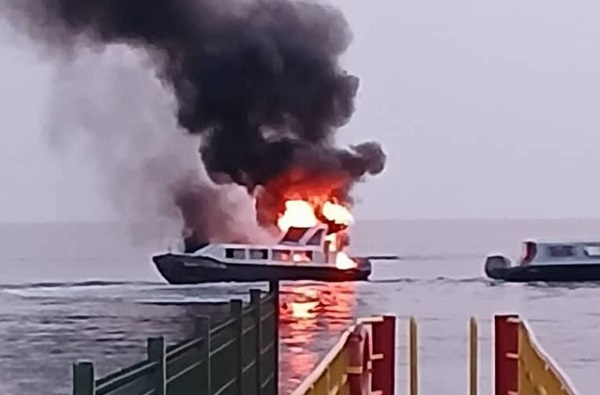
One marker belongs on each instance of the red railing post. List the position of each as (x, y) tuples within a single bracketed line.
[(506, 357), (384, 355)]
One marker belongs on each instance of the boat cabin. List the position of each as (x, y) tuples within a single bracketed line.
[(296, 246), (560, 253)]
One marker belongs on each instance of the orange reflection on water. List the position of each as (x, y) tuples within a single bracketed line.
[(312, 316)]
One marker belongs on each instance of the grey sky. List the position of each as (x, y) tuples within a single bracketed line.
[(486, 109)]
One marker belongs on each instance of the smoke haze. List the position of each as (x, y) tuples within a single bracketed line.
[(256, 85)]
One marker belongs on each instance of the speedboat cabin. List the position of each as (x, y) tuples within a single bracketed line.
[(556, 253), (296, 246)]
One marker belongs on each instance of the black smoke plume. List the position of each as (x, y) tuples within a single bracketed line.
[(258, 80)]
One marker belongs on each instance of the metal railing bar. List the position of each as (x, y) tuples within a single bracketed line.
[(182, 348), (122, 372), (266, 349), (227, 385), (249, 329), (125, 378), (222, 347), (267, 380), (184, 371), (248, 367), (222, 325), (267, 316)]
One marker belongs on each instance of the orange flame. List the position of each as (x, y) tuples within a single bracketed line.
[(301, 213), (297, 213), (343, 261), (337, 213)]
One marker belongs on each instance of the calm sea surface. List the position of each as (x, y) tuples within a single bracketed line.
[(90, 291)]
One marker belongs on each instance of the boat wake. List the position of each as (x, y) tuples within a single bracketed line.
[(439, 279), (145, 292), (90, 283)]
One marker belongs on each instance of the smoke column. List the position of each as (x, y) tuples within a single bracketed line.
[(257, 83)]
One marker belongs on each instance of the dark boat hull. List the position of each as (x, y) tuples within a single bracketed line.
[(545, 273), (177, 269)]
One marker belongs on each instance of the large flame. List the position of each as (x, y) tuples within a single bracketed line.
[(337, 213), (302, 213), (297, 213)]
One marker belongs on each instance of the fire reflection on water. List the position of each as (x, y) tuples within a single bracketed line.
[(312, 316)]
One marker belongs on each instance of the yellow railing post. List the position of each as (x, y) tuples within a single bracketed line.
[(473, 337), (412, 356)]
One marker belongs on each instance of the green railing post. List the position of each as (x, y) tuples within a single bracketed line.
[(156, 353), (256, 305), (202, 330), (237, 311), (274, 289), (83, 379)]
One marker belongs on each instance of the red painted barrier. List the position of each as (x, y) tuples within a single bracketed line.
[(359, 350), (506, 350), (362, 362), (384, 355)]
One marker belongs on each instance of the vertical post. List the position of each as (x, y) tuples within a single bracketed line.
[(156, 353), (274, 291), (413, 361), (83, 379), (473, 374), (256, 306), (384, 355), (236, 311), (506, 357), (202, 330)]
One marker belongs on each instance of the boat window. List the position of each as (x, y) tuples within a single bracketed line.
[(316, 239), (592, 251), (281, 255), (259, 254), (294, 234), (561, 251), (235, 253)]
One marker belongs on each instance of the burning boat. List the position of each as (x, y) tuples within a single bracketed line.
[(308, 250)]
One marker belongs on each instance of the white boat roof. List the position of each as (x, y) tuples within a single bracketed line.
[(296, 238), (293, 237), (563, 252), (542, 242), (297, 246)]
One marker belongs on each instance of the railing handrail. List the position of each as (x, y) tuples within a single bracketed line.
[(188, 362), (362, 359), (522, 365), (550, 362), (322, 367)]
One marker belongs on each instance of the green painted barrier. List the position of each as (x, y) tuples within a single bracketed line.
[(238, 355)]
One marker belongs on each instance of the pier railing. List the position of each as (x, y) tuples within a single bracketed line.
[(238, 353), (522, 366), (363, 361)]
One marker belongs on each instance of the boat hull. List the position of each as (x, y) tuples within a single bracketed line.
[(543, 273), (179, 269)]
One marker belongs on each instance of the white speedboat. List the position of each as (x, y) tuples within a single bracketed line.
[(549, 262), (301, 254)]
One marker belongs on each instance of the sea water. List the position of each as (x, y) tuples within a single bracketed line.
[(90, 291)]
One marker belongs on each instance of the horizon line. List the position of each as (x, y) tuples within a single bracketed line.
[(371, 219)]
